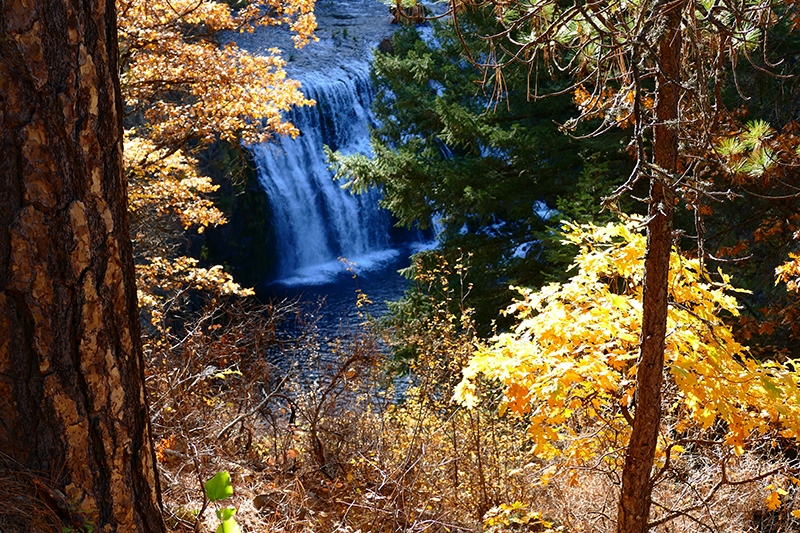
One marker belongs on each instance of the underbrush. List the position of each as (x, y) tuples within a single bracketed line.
[(318, 437)]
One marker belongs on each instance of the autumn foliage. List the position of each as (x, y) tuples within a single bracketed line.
[(190, 85), (185, 88), (543, 412), (568, 367), (342, 447)]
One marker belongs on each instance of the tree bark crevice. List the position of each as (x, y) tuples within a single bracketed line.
[(72, 399)]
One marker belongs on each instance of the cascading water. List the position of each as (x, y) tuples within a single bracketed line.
[(314, 219)]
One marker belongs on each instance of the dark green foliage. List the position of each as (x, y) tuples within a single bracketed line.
[(754, 233), (480, 166), (768, 90), (581, 203)]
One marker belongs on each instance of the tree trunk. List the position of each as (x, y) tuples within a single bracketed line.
[(72, 398), (634, 506)]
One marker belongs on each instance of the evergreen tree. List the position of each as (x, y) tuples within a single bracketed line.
[(487, 170)]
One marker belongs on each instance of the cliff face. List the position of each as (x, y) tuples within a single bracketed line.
[(245, 246), (347, 30)]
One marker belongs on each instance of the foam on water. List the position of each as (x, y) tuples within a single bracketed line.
[(324, 273), (316, 221)]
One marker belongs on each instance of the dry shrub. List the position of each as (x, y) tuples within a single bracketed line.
[(319, 437), (707, 488)]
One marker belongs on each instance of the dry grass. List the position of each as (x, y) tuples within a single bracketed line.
[(30, 502), (316, 438), (337, 448)]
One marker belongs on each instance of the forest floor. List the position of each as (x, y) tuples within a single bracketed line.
[(324, 440), (327, 442)]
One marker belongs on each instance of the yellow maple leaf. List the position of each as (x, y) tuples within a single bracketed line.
[(580, 341)]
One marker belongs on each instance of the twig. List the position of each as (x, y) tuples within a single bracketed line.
[(202, 487), (722, 482), (253, 411)]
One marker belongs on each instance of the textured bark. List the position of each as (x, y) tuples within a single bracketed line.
[(634, 507), (72, 399)]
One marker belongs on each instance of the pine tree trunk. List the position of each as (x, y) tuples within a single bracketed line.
[(634, 507), (72, 399)]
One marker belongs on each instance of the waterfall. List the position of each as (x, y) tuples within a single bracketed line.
[(315, 221)]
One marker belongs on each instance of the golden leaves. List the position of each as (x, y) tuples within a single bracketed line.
[(159, 276), (613, 105), (163, 184), (789, 273), (571, 361), (190, 87), (183, 86), (516, 514), (774, 498), (161, 181)]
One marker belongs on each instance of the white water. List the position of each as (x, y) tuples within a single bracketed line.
[(315, 221)]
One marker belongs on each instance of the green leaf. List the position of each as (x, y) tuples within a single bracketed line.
[(219, 487), (226, 514), (229, 526), (772, 390)]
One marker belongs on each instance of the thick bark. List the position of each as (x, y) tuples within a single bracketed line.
[(634, 507), (72, 399)]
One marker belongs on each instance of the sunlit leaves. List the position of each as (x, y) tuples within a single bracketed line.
[(160, 276), (569, 366), (163, 186), (185, 89), (189, 87), (774, 498), (162, 181), (516, 514), (789, 271)]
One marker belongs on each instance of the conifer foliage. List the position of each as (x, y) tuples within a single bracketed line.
[(487, 173)]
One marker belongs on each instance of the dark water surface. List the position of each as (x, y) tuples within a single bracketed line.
[(330, 294)]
